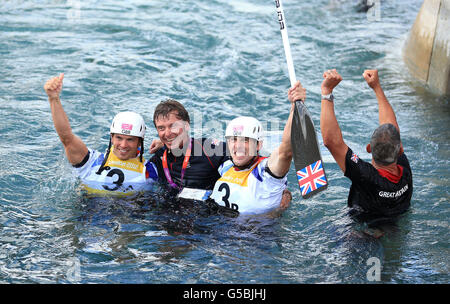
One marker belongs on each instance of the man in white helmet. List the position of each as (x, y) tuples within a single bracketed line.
[(122, 169), (250, 183)]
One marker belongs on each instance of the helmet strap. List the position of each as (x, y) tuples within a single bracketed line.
[(248, 165), (102, 166), (142, 149)]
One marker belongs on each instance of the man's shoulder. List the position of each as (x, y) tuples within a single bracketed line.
[(404, 161), (263, 173), (151, 169), (210, 147), (159, 153), (353, 160), (210, 141), (225, 166), (92, 158)]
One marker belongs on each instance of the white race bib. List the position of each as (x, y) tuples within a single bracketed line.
[(194, 194)]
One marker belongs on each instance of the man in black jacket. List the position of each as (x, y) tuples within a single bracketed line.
[(382, 188), (184, 162)]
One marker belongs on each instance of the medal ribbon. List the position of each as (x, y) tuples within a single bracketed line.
[(183, 168)]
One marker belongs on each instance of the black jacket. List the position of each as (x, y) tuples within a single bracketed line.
[(201, 172), (373, 194)]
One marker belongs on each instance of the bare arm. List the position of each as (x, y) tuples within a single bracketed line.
[(155, 145), (329, 127), (280, 160), (385, 112), (75, 149)]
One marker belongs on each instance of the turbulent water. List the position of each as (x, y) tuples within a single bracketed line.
[(221, 59)]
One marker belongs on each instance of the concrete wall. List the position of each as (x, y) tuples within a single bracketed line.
[(427, 50)]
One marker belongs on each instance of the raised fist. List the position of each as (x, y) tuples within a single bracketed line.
[(371, 77), (330, 81), (54, 85)]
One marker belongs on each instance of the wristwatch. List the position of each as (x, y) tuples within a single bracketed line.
[(328, 97)]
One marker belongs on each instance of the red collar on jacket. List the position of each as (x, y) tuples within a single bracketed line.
[(391, 177)]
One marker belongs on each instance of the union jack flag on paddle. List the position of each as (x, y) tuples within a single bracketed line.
[(311, 178), (305, 146)]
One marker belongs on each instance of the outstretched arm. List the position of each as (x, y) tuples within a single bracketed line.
[(331, 132), (385, 112), (280, 160), (75, 149)]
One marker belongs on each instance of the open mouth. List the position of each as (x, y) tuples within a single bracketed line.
[(172, 141), (239, 153)]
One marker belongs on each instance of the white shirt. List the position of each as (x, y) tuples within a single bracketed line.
[(250, 191), (123, 177)]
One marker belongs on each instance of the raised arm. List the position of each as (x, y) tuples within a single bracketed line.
[(280, 160), (329, 127), (75, 149), (385, 112)]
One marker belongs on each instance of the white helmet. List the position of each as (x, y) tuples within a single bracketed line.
[(245, 126), (128, 123)]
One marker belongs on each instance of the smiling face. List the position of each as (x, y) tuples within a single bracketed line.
[(172, 131), (125, 146), (243, 149)]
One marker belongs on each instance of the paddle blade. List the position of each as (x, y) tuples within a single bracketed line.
[(307, 159)]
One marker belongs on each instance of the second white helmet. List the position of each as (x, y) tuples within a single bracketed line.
[(128, 123), (245, 126)]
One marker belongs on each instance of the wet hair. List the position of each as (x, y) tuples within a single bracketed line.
[(385, 144), (164, 108)]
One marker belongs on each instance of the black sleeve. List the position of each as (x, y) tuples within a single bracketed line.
[(224, 149), (216, 151), (403, 161), (155, 159), (349, 167), (357, 169), (267, 169), (85, 159)]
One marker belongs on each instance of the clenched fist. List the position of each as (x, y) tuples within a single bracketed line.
[(53, 86), (371, 77), (331, 80)]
